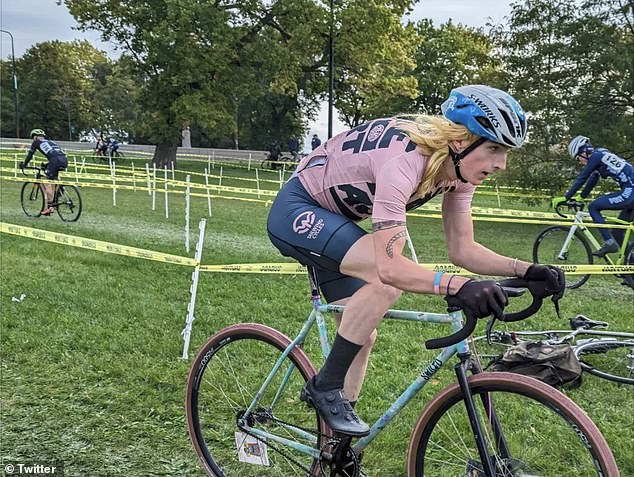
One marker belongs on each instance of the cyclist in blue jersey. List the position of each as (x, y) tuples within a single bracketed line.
[(114, 147), (599, 162), (57, 161)]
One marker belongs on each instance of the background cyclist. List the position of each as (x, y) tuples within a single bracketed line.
[(381, 169), (57, 160), (599, 162), (114, 146)]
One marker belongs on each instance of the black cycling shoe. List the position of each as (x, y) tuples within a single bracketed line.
[(608, 247), (334, 408)]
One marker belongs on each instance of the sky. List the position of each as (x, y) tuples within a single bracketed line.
[(34, 21)]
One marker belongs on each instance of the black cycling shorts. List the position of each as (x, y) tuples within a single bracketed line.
[(55, 164), (302, 229)]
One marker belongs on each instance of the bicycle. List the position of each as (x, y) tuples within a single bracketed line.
[(278, 163), (116, 155), (67, 200), (245, 418), (100, 157), (561, 244), (605, 354)]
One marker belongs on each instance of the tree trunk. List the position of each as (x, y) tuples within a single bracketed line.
[(165, 155)]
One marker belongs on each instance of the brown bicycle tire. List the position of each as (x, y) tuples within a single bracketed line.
[(515, 383), (235, 332)]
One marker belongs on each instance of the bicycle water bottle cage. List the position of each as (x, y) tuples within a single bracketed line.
[(513, 288)]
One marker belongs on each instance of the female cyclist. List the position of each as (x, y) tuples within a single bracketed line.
[(380, 170)]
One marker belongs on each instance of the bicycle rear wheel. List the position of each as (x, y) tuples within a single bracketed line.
[(608, 359), (548, 249), (223, 381), (32, 198), (545, 433), (68, 203)]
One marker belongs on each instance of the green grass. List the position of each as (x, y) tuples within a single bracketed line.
[(91, 374)]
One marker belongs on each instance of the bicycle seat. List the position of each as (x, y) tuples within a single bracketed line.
[(585, 323)]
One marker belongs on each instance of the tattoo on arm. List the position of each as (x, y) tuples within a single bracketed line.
[(387, 224), (390, 244)]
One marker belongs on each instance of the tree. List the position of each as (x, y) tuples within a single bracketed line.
[(449, 56), (56, 84), (374, 63), (569, 64)]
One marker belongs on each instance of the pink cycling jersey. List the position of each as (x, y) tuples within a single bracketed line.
[(374, 170)]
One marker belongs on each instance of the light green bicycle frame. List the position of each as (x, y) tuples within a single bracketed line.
[(579, 225), (317, 316)]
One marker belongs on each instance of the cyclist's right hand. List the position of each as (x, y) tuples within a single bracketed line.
[(480, 298), (22, 165)]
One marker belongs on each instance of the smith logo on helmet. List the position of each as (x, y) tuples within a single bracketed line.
[(485, 108)]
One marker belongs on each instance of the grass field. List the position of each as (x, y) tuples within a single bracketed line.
[(91, 374)]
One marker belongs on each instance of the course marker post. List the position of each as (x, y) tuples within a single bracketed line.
[(208, 193), (187, 331), (114, 184), (187, 215), (220, 180), (173, 172), (133, 177), (411, 246), (167, 213), (154, 187), (75, 166), (15, 169), (147, 174), (249, 164), (257, 181)]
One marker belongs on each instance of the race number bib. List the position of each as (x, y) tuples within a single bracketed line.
[(614, 162), (46, 147)]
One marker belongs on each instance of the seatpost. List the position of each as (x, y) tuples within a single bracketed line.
[(315, 297)]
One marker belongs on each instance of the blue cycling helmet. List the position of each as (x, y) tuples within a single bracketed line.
[(579, 145), (487, 112)]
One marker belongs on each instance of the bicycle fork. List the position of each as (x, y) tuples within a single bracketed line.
[(479, 433)]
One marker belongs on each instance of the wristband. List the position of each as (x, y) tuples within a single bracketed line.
[(515, 267), (449, 283), (437, 282)]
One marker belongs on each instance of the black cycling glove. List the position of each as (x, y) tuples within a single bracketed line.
[(480, 298), (548, 281), (22, 165)]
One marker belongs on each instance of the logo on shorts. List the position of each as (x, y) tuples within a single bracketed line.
[(303, 222), (376, 132)]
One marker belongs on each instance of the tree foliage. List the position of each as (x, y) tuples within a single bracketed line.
[(570, 64), (56, 85)]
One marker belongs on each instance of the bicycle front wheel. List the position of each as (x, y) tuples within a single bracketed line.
[(608, 359), (543, 433), (68, 203), (549, 249), (32, 199), (223, 382)]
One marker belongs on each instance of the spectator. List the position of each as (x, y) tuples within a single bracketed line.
[(316, 142), (293, 147)]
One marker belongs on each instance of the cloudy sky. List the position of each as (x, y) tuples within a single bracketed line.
[(34, 21)]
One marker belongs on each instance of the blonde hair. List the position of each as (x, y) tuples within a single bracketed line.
[(433, 134)]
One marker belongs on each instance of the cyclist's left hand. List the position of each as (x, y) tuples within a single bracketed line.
[(549, 280), (22, 165)]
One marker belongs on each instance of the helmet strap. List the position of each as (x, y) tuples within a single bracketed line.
[(456, 157)]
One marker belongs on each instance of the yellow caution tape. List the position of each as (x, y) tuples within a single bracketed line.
[(97, 245), (292, 268)]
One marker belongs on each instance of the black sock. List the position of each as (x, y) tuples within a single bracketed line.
[(333, 374)]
